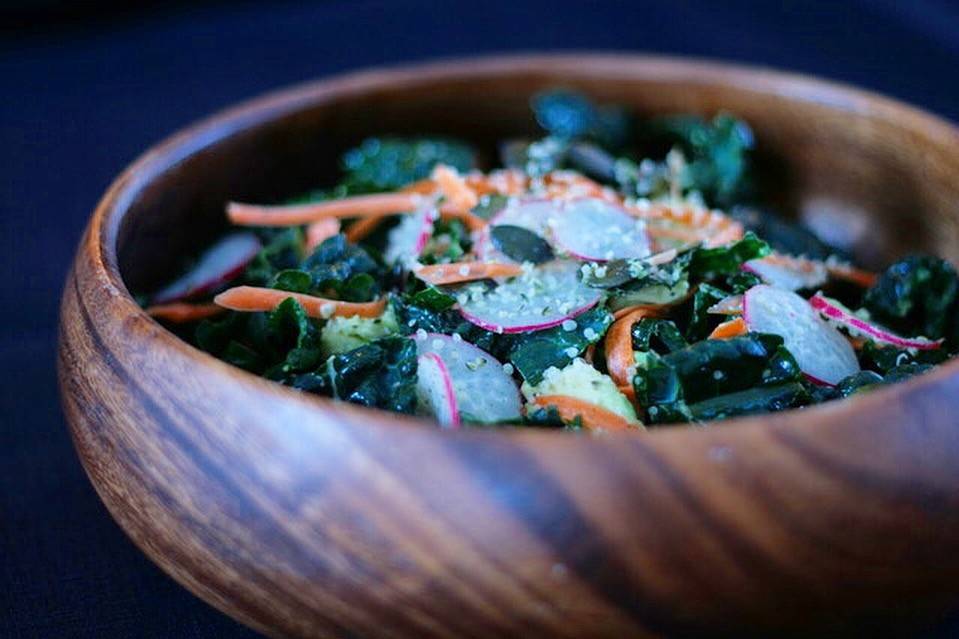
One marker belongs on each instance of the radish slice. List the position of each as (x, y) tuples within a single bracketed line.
[(482, 390), (221, 263), (408, 239), (732, 305), (833, 310), (434, 390), (596, 230), (542, 297), (789, 273), (821, 351), (533, 215)]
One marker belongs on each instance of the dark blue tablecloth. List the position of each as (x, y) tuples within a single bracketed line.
[(80, 100)]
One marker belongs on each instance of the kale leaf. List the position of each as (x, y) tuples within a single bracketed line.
[(658, 335), (281, 251), (386, 164), (381, 374), (533, 353), (717, 152), (762, 399), (568, 115), (708, 263), (917, 296), (347, 270)]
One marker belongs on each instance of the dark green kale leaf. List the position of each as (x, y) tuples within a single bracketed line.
[(669, 386), (273, 344), (548, 417), (882, 359), (658, 335), (763, 399), (381, 374), (717, 367), (432, 299), (701, 322), (905, 371), (784, 236), (386, 164), (659, 389), (430, 314), (708, 263), (917, 296), (717, 152), (533, 353), (568, 115), (520, 244), (281, 250), (347, 270), (858, 382)]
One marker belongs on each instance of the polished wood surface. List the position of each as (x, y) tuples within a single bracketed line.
[(306, 518)]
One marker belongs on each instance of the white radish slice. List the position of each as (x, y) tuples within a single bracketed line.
[(788, 273), (482, 390), (219, 264), (596, 230), (821, 351), (833, 310), (732, 305), (408, 238), (532, 215), (434, 390), (540, 298)]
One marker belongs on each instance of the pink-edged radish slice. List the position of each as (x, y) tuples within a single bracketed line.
[(833, 310), (540, 298), (789, 273), (532, 215), (434, 390), (732, 305), (596, 230), (219, 264), (821, 351), (483, 390), (408, 239)]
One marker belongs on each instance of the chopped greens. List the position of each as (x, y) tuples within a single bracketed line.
[(542, 302)]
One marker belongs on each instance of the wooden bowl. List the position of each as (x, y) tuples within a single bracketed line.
[(301, 517)]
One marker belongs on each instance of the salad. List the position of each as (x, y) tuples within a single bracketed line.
[(612, 274)]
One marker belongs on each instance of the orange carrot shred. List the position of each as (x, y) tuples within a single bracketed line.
[(593, 417), (454, 187), (361, 228), (319, 231), (469, 219), (619, 345), (297, 214), (852, 274), (732, 328), (182, 312), (254, 298), (456, 272)]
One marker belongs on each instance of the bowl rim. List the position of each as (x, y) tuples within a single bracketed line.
[(100, 238)]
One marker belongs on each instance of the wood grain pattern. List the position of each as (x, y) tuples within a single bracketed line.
[(305, 518)]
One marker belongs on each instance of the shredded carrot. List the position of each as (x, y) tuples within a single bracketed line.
[(319, 231), (856, 342), (619, 346), (852, 274), (732, 328), (297, 214), (454, 187), (253, 298), (592, 416), (361, 228), (182, 312), (456, 272), (652, 310)]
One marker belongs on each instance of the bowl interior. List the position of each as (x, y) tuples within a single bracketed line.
[(872, 174)]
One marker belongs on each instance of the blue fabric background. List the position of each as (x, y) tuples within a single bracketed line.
[(79, 101)]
